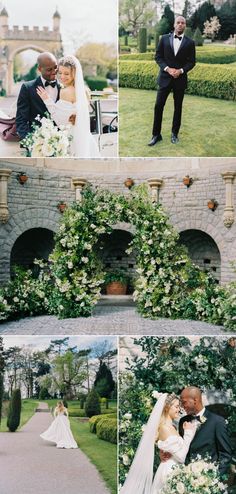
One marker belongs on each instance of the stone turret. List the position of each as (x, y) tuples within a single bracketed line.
[(56, 21), (3, 21)]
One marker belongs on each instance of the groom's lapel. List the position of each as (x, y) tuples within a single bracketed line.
[(171, 39), (201, 425)]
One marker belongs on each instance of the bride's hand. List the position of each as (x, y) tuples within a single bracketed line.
[(42, 93)]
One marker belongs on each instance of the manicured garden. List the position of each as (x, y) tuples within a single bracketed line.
[(27, 411), (204, 130)]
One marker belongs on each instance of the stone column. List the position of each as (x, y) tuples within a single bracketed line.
[(4, 213), (228, 177), (77, 184), (155, 184)]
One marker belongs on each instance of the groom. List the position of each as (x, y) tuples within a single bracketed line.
[(176, 56), (29, 104)]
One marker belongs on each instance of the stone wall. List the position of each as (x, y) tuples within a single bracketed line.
[(34, 204)]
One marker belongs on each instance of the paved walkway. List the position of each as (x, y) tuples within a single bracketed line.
[(108, 320), (30, 465)]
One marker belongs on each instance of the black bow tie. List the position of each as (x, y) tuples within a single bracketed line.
[(53, 84), (195, 417), (179, 37)]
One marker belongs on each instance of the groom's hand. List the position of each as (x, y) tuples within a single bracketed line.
[(164, 455), (72, 119)]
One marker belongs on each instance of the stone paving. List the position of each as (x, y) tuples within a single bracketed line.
[(30, 465), (108, 320)]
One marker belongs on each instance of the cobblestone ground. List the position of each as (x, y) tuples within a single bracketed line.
[(108, 320)]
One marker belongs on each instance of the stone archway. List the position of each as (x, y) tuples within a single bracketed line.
[(203, 251), (35, 243), (15, 40)]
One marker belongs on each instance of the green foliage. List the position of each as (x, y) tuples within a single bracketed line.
[(213, 81), (31, 75), (96, 83), (93, 421), (188, 32), (198, 37), (13, 420), (44, 394), (107, 430), (204, 54), (203, 13), (92, 404), (104, 383), (169, 365), (142, 40), (117, 275)]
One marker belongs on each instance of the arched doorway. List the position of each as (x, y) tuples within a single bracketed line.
[(112, 252), (203, 251), (36, 243), (22, 67)]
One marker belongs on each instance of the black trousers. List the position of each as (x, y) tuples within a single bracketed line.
[(162, 95)]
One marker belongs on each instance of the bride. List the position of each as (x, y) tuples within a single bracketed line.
[(160, 429), (73, 101), (59, 431)]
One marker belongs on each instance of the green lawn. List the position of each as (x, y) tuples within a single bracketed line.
[(28, 409), (101, 453), (208, 126)]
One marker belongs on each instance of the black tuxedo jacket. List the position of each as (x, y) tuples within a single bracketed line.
[(29, 105), (184, 59), (211, 438)]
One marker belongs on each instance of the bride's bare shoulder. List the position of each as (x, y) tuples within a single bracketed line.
[(166, 431), (68, 94)]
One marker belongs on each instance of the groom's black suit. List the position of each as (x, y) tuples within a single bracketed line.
[(165, 57), (29, 105), (211, 438)]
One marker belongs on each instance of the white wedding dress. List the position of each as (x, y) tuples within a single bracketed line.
[(59, 432), (60, 113), (178, 447)]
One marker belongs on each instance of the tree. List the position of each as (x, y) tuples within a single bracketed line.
[(100, 55), (202, 14), (167, 20), (212, 27), (69, 372), (104, 383), (227, 17), (92, 404), (135, 14), (187, 10), (13, 419), (198, 37), (56, 347)]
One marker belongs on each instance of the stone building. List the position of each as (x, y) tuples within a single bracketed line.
[(30, 216), (16, 40)]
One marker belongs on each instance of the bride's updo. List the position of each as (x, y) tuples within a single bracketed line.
[(67, 62)]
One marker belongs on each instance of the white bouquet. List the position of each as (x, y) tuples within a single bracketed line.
[(47, 140), (199, 477)]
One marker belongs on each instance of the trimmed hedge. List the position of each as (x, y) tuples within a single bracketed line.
[(204, 80), (96, 83), (204, 55), (107, 430), (93, 421)]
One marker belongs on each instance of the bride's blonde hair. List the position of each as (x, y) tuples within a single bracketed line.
[(60, 406), (68, 62), (168, 403)]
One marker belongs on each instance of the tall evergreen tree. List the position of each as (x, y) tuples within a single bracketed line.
[(104, 383), (201, 15), (13, 419)]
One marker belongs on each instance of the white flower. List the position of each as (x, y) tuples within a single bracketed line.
[(180, 488), (85, 259), (128, 416), (125, 459), (70, 264), (16, 299), (156, 394)]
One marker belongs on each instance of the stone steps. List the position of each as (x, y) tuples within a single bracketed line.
[(117, 300)]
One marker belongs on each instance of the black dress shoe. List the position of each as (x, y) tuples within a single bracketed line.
[(174, 138), (154, 140)]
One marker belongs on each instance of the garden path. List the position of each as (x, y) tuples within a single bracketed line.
[(30, 465), (111, 319)]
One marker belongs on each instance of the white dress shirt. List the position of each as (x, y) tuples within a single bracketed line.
[(177, 43), (52, 91)]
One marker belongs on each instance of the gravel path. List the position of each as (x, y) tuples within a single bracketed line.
[(30, 465), (108, 320)]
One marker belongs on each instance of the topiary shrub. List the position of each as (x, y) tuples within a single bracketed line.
[(93, 421), (92, 404), (197, 37), (142, 40), (43, 394), (13, 419), (107, 430), (96, 83)]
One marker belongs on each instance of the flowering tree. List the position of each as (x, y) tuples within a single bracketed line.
[(212, 27), (168, 365)]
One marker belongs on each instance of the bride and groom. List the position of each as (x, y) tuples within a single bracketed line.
[(65, 100), (201, 432)]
